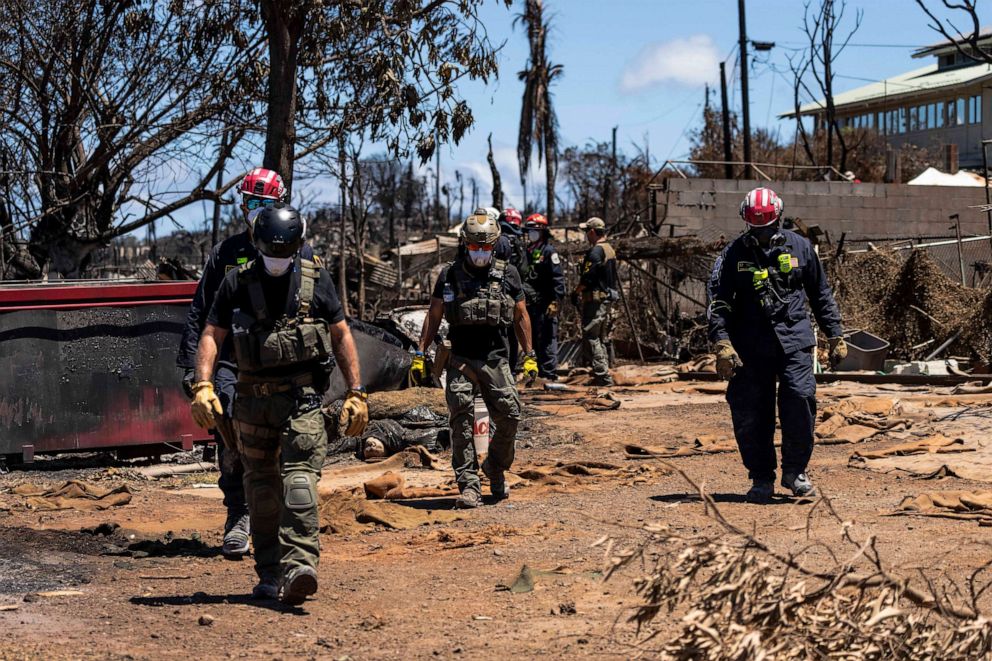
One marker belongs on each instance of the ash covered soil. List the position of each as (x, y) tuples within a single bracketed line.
[(438, 591)]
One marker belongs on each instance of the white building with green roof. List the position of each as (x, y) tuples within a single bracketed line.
[(946, 102)]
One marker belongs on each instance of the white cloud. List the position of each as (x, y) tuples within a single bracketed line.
[(690, 61)]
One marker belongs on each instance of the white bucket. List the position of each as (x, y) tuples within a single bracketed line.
[(480, 430)]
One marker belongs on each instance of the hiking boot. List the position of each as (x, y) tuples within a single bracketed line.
[(800, 484), (267, 588), (603, 381), (298, 584), (237, 529), (761, 492), (470, 499), (497, 482)]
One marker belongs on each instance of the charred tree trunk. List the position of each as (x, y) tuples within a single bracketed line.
[(284, 27), (497, 182)]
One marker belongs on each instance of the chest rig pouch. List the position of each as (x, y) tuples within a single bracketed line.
[(262, 341), (469, 302), (774, 283)]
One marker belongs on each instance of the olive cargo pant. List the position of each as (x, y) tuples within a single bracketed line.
[(595, 334), (495, 384), (283, 445)]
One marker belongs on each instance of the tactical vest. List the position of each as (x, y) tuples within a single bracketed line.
[(609, 260), (263, 342), (469, 303)]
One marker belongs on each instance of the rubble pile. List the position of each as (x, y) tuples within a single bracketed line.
[(913, 305)]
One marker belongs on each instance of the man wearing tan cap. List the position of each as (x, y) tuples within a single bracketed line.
[(594, 296)]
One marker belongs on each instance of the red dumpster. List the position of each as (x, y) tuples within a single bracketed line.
[(91, 364)]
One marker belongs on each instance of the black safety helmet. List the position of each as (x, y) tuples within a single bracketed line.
[(278, 230)]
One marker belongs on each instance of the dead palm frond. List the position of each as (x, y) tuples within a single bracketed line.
[(538, 122)]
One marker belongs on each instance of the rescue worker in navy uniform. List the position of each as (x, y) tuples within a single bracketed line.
[(594, 296), (762, 332), (544, 286), (259, 188), (509, 247), (481, 298), (286, 326)]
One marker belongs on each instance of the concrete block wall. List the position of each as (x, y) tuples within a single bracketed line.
[(708, 207)]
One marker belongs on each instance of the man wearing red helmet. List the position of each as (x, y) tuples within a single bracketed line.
[(260, 188), (544, 286), (762, 333), (509, 248)]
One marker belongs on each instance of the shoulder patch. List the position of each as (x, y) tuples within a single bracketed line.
[(745, 266), (555, 259)]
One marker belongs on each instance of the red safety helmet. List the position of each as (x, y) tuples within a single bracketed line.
[(536, 221), (761, 207), (511, 216), (263, 183)]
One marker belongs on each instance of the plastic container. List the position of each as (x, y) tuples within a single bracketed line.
[(865, 352), (481, 431)]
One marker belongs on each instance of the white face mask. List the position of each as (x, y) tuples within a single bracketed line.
[(480, 258), (276, 265), (535, 235)]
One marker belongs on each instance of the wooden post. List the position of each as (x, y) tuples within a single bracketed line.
[(957, 231), (437, 240)]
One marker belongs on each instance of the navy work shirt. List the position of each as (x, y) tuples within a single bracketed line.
[(542, 274), (735, 309)]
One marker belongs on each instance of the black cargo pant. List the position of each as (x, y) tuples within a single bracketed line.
[(544, 334), (751, 394), (232, 471)]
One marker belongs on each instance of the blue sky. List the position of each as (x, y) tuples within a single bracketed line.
[(642, 65)]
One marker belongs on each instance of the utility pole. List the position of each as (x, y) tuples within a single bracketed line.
[(437, 184), (746, 108), (728, 169), (607, 188)]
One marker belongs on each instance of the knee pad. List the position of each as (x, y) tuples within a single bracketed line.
[(299, 491), (263, 501)]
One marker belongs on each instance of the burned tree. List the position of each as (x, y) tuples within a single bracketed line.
[(822, 26), (966, 41), (103, 101)]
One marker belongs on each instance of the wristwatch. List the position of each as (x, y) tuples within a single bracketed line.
[(359, 392)]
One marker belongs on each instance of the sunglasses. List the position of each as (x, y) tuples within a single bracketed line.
[(252, 203), (479, 246)]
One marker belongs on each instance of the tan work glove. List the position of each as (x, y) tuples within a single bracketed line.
[(530, 366), (205, 404), (418, 370), (553, 309), (727, 360), (355, 413), (838, 351)]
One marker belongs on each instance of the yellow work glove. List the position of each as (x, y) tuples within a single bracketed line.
[(553, 309), (355, 412), (838, 351), (418, 370), (727, 360), (530, 366), (205, 404)]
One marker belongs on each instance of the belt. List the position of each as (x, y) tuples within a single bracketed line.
[(257, 387)]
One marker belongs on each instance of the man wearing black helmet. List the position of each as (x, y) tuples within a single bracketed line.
[(286, 326), (259, 188)]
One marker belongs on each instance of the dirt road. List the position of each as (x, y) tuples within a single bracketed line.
[(438, 591)]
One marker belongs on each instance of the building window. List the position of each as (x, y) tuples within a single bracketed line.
[(975, 109), (903, 119), (921, 118), (940, 114), (911, 124), (960, 113), (932, 116)]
